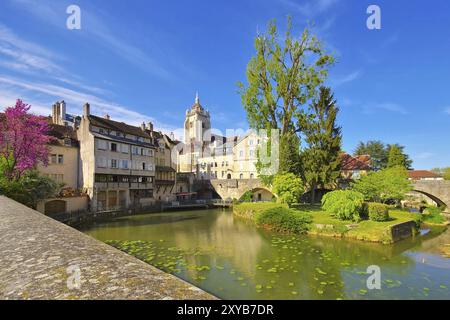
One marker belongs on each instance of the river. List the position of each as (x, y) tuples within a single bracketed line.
[(233, 259)]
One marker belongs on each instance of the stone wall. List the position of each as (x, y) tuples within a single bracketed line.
[(235, 188), (42, 258), (438, 190)]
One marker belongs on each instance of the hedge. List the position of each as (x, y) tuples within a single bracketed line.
[(284, 220), (378, 211)]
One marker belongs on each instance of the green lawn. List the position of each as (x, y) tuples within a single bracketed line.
[(324, 224)]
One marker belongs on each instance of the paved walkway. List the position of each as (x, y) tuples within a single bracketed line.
[(41, 258)]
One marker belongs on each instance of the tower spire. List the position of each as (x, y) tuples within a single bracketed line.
[(197, 100)]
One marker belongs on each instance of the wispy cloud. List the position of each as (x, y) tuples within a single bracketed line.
[(447, 110), (312, 7), (384, 106), (424, 155), (14, 88), (25, 55), (343, 79), (95, 29)]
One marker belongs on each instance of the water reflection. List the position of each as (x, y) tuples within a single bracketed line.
[(231, 258)]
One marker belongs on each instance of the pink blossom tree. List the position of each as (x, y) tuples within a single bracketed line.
[(23, 140)]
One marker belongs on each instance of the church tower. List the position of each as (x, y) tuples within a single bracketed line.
[(197, 133)]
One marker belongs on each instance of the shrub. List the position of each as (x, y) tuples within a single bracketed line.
[(285, 220), (249, 210), (433, 215), (344, 204), (247, 197), (378, 211), (288, 187)]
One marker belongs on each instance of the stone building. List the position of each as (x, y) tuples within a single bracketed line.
[(117, 162), (64, 159), (165, 167), (212, 156)]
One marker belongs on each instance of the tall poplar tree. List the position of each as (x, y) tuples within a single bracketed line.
[(282, 77), (320, 159)]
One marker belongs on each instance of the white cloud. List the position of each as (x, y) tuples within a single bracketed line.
[(337, 81), (384, 106), (94, 28), (312, 7), (424, 155), (14, 88)]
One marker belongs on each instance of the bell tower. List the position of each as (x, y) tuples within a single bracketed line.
[(197, 133)]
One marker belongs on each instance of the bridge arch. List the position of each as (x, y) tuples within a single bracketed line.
[(236, 188), (438, 201), (437, 190), (260, 194)]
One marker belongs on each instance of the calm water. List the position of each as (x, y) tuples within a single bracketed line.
[(232, 259)]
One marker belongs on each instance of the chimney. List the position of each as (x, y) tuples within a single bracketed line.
[(172, 136), (86, 109), (62, 113), (150, 126), (143, 126), (107, 117), (54, 120)]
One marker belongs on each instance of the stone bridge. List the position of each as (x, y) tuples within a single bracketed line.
[(437, 190), (235, 188)]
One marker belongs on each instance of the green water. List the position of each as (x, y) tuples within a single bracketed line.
[(232, 259)]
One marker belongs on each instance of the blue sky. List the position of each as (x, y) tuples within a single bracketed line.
[(144, 60)]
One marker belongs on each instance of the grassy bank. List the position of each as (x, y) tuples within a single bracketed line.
[(325, 225)]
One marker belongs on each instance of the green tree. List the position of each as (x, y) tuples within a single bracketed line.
[(384, 185), (377, 152), (397, 157), (320, 160), (288, 187), (29, 189), (446, 173), (282, 78)]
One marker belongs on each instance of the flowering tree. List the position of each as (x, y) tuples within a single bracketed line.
[(23, 140)]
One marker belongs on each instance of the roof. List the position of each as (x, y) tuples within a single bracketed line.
[(421, 174), (122, 139), (61, 132), (118, 126), (355, 162)]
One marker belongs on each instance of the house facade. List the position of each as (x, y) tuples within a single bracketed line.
[(117, 161)]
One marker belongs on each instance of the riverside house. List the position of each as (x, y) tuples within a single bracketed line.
[(117, 161)]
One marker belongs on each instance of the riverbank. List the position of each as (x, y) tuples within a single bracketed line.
[(402, 224), (45, 259), (232, 259)]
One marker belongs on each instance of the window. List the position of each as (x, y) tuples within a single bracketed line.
[(150, 152), (252, 152), (53, 158), (143, 165), (113, 146), (60, 158), (67, 142), (102, 145), (135, 150), (113, 163), (101, 130), (250, 142), (124, 148), (241, 153), (251, 175), (118, 133), (241, 176), (101, 162), (124, 164)]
